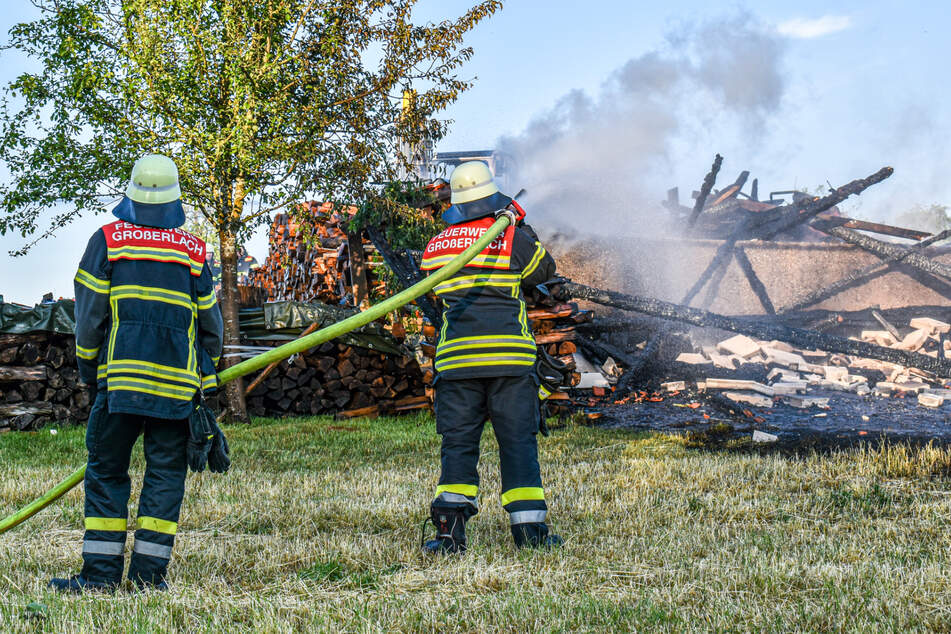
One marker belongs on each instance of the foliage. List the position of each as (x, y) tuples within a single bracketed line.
[(260, 102), (933, 218), (398, 212)]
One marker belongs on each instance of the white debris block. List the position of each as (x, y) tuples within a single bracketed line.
[(862, 389), (762, 436), (929, 324), (582, 364), (880, 337), (776, 344), (912, 386), (789, 387), (692, 358), (737, 384), (674, 386), (610, 367), (775, 356), (913, 340), (804, 402), (835, 373), (740, 345), (943, 393), (812, 368), (814, 355), (930, 400), (783, 374), (731, 362), (749, 398), (592, 379)]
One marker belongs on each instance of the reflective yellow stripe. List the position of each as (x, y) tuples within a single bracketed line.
[(154, 294), (151, 387), (485, 338), (484, 279), (478, 360), (133, 366), (448, 348), (494, 261), (130, 252), (106, 523), (92, 282), (207, 301), (543, 392), (215, 360), (86, 353), (101, 371), (535, 261), (209, 382), (523, 493), (469, 490), (157, 525)]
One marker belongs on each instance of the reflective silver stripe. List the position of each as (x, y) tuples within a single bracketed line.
[(99, 547), (527, 517), (152, 549), (456, 498)]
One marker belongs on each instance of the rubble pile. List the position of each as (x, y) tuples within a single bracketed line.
[(793, 374)]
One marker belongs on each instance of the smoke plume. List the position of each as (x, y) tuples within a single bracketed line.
[(601, 163)]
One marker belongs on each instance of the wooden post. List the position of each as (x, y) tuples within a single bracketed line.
[(358, 269)]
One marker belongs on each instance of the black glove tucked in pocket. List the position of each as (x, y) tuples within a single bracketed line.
[(201, 433), (219, 459)]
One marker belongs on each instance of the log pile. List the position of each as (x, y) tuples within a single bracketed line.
[(39, 381), (335, 378), (315, 266)]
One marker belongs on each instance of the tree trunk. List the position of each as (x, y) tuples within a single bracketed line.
[(234, 391)]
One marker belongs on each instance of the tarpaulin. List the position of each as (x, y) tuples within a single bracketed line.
[(54, 317), (284, 321)]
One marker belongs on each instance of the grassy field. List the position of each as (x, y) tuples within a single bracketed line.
[(317, 525)]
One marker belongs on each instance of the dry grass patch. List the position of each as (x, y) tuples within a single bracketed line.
[(316, 529)]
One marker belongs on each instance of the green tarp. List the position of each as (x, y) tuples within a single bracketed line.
[(277, 321), (55, 317)]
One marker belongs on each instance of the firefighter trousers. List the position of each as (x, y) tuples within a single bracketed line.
[(462, 407), (109, 440)]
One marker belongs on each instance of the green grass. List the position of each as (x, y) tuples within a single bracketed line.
[(317, 526)]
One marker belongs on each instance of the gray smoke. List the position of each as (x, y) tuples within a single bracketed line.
[(601, 163)]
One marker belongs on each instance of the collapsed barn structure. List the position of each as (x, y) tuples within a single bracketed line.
[(775, 305)]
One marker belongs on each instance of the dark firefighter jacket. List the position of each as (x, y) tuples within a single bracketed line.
[(148, 327), (485, 330)]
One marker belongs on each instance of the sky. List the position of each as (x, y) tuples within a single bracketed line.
[(608, 103)]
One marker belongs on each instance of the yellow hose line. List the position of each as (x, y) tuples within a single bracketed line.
[(293, 347)]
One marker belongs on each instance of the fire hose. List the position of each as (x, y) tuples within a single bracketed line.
[(294, 347)]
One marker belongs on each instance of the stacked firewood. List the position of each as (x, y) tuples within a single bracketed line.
[(311, 266), (39, 381), (335, 378)]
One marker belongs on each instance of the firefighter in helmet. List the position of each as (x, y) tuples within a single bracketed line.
[(148, 337), (485, 363)]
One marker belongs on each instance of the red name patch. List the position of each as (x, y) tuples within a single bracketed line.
[(126, 241), (455, 239)]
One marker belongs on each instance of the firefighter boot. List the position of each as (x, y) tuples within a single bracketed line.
[(534, 535), (77, 584), (450, 531)]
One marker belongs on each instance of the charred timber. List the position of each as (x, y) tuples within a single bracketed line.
[(760, 329), (708, 183), (885, 250), (768, 224), (406, 272), (868, 272), (755, 282)]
